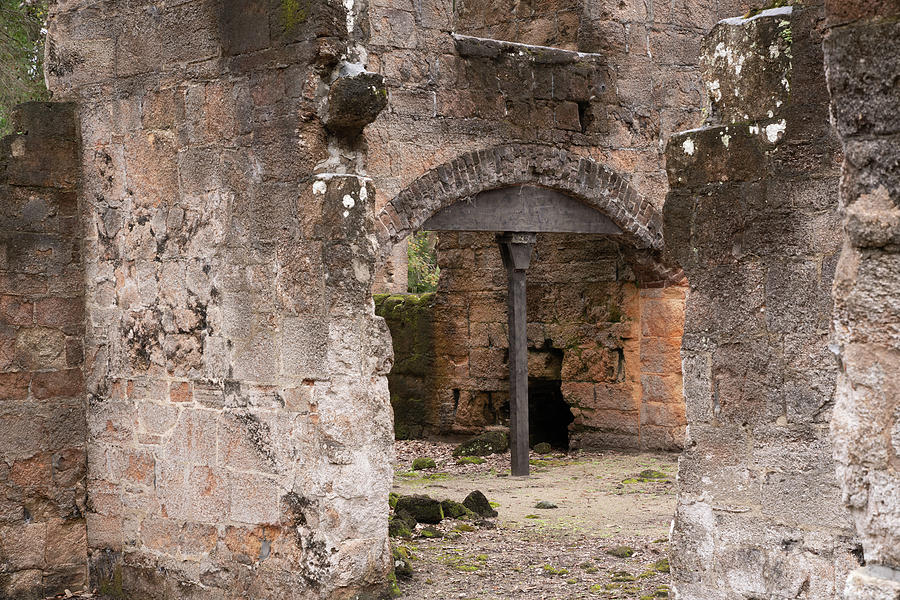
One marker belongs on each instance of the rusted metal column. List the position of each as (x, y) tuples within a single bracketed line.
[(515, 248)]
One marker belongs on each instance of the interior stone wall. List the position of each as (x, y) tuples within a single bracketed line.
[(620, 373), (410, 319), (232, 352), (862, 59), (42, 422), (753, 219)]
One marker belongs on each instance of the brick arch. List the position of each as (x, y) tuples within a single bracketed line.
[(515, 164)]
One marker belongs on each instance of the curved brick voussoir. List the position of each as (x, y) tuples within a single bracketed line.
[(508, 165)]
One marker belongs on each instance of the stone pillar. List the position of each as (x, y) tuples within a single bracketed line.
[(862, 58), (239, 425), (752, 218)]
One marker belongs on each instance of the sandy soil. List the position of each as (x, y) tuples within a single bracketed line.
[(533, 553)]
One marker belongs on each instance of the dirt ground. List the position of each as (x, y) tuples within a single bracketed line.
[(531, 553)]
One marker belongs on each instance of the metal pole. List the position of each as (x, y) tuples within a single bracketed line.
[(515, 249)]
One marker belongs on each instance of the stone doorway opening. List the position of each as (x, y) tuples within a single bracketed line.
[(549, 416)]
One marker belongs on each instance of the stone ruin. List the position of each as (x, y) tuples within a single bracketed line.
[(196, 400)]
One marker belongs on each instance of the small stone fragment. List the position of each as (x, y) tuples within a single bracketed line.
[(545, 504), (543, 448), (489, 442), (478, 504), (431, 533), (621, 551)]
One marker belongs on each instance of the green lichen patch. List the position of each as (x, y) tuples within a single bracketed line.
[(551, 570), (652, 474)]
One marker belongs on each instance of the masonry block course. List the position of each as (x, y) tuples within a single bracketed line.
[(42, 422)]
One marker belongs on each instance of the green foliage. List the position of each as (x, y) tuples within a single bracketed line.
[(421, 256), (21, 55)]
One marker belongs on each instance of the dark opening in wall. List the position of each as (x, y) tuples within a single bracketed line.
[(548, 414)]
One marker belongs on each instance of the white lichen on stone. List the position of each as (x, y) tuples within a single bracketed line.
[(349, 202), (320, 187), (688, 147), (726, 139), (775, 131), (774, 52), (351, 22), (754, 129), (714, 89), (783, 11)]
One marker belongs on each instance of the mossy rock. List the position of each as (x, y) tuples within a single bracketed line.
[(621, 551), (431, 533), (423, 462), (401, 524), (455, 510), (662, 565), (652, 474), (423, 509), (402, 565), (478, 504), (489, 442), (470, 460), (392, 499), (543, 448)]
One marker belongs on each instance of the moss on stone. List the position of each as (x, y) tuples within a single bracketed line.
[(455, 510), (294, 12), (621, 551), (543, 448), (112, 587), (423, 509), (423, 462)]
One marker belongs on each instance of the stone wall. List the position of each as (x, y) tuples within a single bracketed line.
[(635, 84), (239, 426), (586, 332), (752, 218), (629, 80), (42, 423), (862, 58), (410, 319)]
